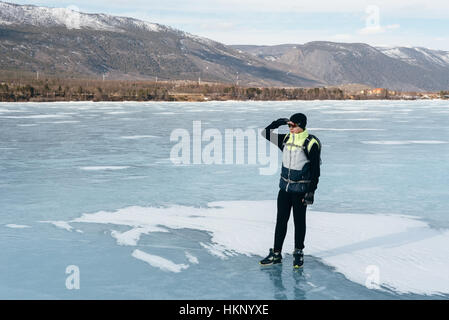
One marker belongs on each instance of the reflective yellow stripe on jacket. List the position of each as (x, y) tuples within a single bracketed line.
[(296, 140)]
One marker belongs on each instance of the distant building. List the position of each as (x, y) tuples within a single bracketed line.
[(376, 91)]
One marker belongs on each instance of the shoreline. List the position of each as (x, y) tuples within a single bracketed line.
[(78, 90), (206, 101)]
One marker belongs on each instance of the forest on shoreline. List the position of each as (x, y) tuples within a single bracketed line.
[(53, 90)]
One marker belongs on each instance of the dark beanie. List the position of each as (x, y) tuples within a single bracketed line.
[(300, 119)]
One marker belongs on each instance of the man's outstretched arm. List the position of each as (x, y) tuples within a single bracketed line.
[(275, 138)]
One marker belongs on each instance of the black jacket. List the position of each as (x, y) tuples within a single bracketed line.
[(314, 154)]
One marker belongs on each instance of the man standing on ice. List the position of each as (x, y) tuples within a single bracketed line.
[(299, 179)]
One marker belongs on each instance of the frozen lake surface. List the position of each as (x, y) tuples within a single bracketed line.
[(93, 185)]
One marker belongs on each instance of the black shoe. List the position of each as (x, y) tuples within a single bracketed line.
[(298, 258), (272, 258)]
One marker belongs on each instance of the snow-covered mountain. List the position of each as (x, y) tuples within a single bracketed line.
[(66, 42), (13, 14), (339, 63), (418, 56), (22, 15)]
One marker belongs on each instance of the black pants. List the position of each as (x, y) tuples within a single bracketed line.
[(285, 203)]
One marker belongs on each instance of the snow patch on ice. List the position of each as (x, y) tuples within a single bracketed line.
[(192, 259), (36, 116), (159, 262), (216, 250), (343, 129), (355, 119), (402, 142), (118, 112), (138, 137), (406, 250), (62, 122), (17, 226), (60, 224), (101, 168), (167, 113), (131, 237), (351, 111)]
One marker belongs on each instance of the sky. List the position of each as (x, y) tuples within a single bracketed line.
[(267, 22)]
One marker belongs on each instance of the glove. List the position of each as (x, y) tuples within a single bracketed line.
[(308, 198), (281, 122)]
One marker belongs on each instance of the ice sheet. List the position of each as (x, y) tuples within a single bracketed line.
[(351, 243), (101, 168), (396, 142)]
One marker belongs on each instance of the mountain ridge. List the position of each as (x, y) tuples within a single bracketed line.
[(340, 63), (63, 42), (123, 48)]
